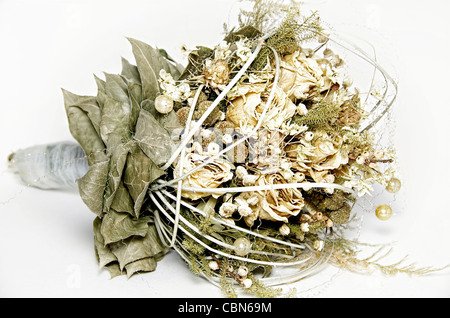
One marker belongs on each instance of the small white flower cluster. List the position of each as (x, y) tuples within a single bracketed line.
[(290, 129), (222, 51), (286, 168), (241, 50), (178, 92)]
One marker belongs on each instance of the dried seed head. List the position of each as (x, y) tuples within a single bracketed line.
[(241, 172), (216, 73), (213, 265), (318, 245), (304, 227), (247, 283), (182, 114), (213, 149), (212, 118), (227, 209), (242, 271), (249, 179), (318, 216), (284, 230)]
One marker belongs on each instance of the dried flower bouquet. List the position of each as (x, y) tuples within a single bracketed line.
[(248, 159)]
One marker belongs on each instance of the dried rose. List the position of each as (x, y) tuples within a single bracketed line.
[(211, 175), (273, 205), (303, 77), (325, 155), (245, 100), (250, 101)]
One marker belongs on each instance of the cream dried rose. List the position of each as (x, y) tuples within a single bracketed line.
[(249, 102), (245, 100), (303, 77), (326, 154), (211, 175), (273, 205)]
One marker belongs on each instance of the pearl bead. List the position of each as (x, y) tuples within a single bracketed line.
[(383, 212), (242, 246), (394, 185), (164, 104)]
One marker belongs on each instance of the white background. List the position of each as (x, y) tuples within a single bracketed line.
[(46, 241)]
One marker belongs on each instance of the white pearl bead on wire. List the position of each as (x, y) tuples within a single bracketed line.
[(164, 104)]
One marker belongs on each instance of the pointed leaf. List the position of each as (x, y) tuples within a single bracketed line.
[(92, 186), (175, 68), (149, 62), (115, 125), (153, 139), (137, 247), (139, 173), (130, 72), (114, 270), (120, 226), (114, 174), (122, 201), (83, 124), (101, 92), (116, 87), (142, 265), (135, 93), (103, 252)]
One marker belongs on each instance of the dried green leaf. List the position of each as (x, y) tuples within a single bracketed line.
[(130, 72), (114, 269), (154, 140), (92, 186), (116, 168), (101, 91), (115, 125), (142, 265), (140, 171), (137, 247), (135, 93), (195, 62), (149, 62), (118, 226), (122, 201), (175, 68), (116, 87), (102, 251), (83, 115)]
